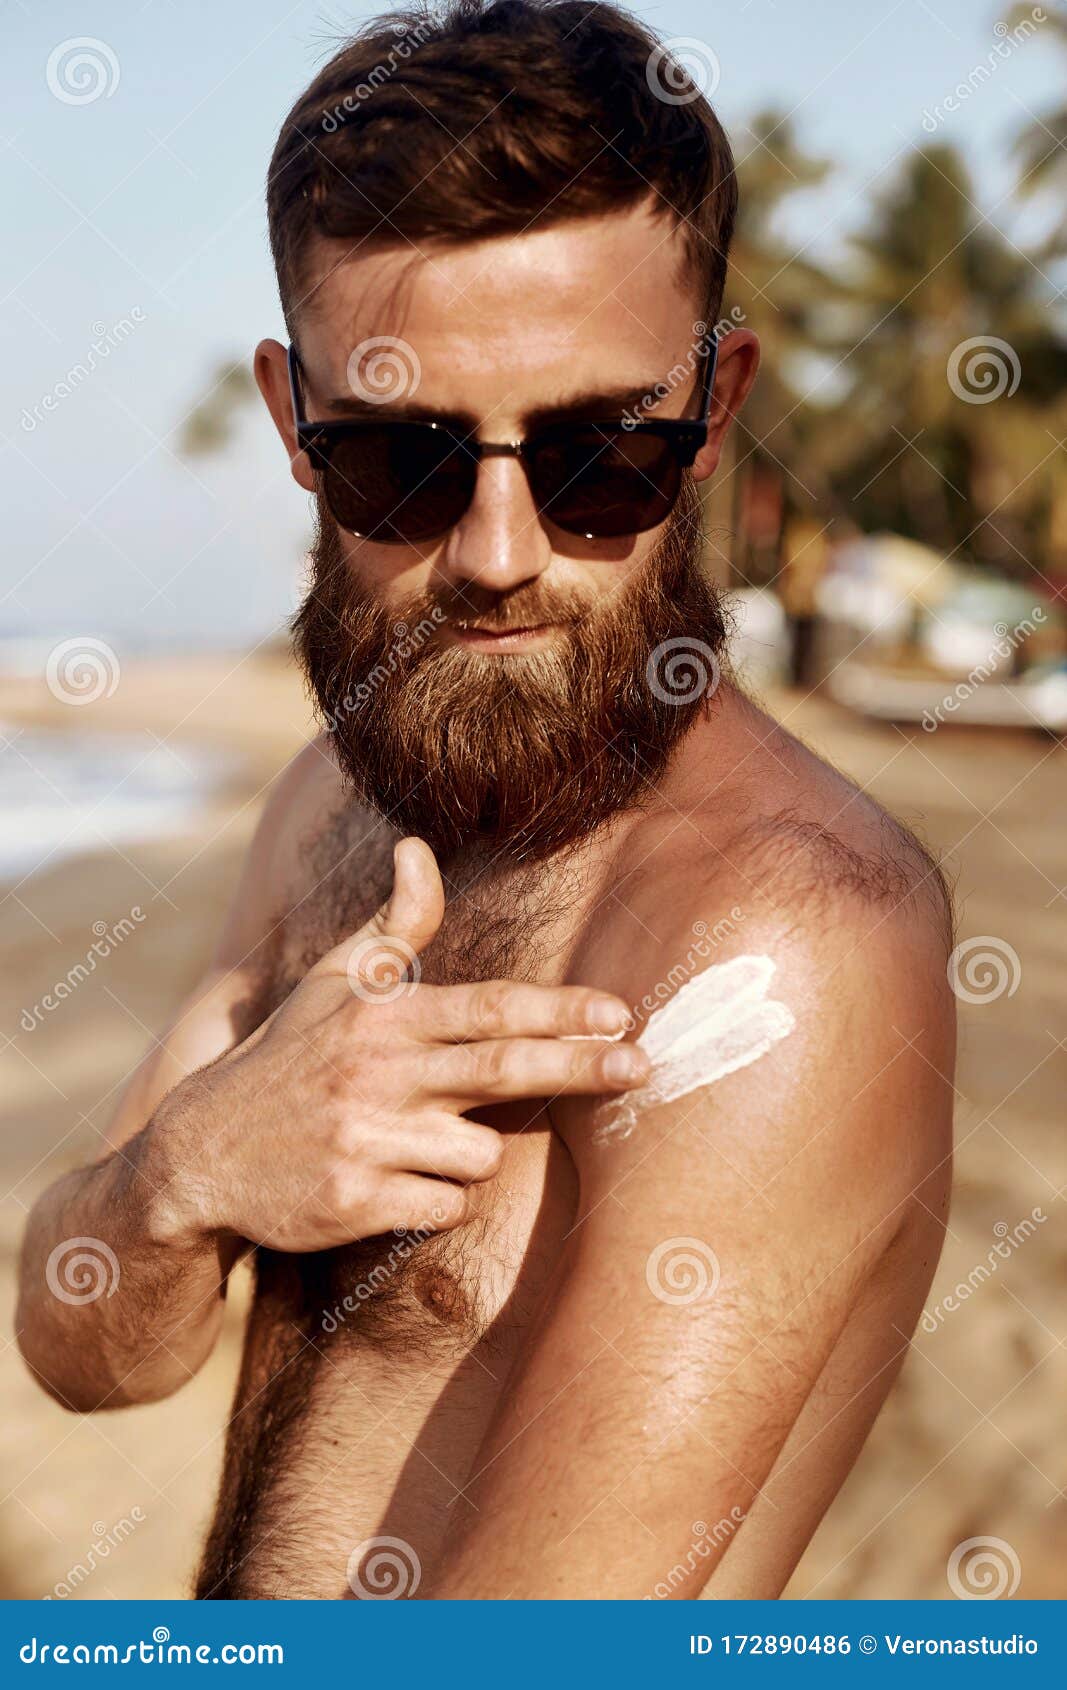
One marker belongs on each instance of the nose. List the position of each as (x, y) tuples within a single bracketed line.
[(500, 542)]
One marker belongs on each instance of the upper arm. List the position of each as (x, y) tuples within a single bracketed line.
[(718, 1253), (215, 1016)]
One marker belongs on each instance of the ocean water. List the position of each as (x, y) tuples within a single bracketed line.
[(65, 793)]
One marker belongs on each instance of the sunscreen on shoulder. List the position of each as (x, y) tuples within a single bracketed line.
[(718, 1022)]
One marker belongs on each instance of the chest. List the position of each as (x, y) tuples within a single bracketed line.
[(438, 1296), (438, 1293)]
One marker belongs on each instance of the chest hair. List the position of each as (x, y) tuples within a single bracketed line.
[(500, 922)]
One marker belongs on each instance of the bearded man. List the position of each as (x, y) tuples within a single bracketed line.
[(574, 1068)]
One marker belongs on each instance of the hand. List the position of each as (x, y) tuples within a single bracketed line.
[(343, 1115)]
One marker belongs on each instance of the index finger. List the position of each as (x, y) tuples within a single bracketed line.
[(497, 1009)]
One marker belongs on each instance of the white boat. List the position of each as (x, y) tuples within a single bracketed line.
[(933, 701)]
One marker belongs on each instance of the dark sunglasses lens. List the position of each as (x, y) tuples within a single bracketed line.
[(399, 482), (605, 481)]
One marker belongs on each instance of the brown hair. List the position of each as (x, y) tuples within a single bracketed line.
[(477, 118)]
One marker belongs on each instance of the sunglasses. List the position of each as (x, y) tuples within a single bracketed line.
[(400, 482)]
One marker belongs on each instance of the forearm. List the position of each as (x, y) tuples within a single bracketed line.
[(115, 1304)]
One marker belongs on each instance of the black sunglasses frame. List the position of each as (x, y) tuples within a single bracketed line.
[(318, 438)]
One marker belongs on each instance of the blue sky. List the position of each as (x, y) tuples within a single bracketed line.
[(136, 220)]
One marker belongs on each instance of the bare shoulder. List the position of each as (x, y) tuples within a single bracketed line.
[(233, 994), (297, 800), (312, 856), (850, 899), (808, 860), (791, 885), (762, 821)]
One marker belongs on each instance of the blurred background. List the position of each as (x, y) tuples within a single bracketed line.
[(891, 524)]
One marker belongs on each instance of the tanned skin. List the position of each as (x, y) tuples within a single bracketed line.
[(512, 1401)]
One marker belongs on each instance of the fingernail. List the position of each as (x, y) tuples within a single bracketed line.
[(622, 1066), (607, 1016)]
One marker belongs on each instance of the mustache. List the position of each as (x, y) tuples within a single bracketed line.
[(526, 606)]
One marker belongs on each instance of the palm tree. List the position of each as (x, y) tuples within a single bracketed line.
[(783, 295), (1041, 148), (209, 426), (947, 313)]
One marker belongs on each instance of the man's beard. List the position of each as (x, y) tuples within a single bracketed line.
[(522, 754)]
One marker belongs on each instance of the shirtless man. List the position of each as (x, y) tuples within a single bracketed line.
[(513, 1335)]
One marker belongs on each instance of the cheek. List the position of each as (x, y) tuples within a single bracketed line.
[(391, 575)]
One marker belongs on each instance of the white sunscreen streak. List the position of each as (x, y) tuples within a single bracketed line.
[(719, 1022)]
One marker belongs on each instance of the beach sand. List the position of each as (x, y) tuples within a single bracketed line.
[(970, 1442)]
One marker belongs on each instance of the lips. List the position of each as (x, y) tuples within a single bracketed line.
[(475, 635)]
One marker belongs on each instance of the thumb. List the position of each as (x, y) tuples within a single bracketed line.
[(415, 907), (385, 950)]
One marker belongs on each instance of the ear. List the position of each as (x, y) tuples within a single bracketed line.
[(272, 379), (739, 354)]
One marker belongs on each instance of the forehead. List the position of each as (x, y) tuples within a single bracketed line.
[(530, 316)]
